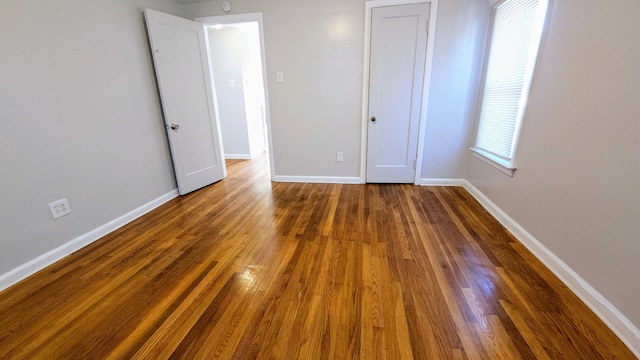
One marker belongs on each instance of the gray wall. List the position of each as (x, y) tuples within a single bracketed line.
[(317, 110), (576, 187), (80, 119)]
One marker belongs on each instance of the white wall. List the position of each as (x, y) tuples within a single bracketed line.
[(80, 119), (577, 185), (235, 56), (459, 50), (227, 47), (254, 88)]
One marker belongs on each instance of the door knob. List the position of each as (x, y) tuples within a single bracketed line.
[(373, 119), (174, 126)]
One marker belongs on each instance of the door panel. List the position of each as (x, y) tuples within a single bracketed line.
[(181, 60), (398, 52)]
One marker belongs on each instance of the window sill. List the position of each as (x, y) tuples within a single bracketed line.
[(498, 163)]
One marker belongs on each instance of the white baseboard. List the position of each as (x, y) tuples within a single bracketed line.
[(319, 179), (25, 270), (441, 182), (611, 316), (619, 323), (238, 156)]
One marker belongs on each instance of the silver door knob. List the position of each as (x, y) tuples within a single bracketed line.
[(373, 119), (174, 126)]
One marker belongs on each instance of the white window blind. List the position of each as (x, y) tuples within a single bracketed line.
[(514, 45)]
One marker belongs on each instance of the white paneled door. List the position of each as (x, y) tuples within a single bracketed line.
[(181, 58), (398, 53)]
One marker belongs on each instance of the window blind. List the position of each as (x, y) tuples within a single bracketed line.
[(513, 47)]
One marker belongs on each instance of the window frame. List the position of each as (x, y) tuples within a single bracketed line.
[(508, 166)]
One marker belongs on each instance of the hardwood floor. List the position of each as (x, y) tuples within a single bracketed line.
[(247, 269)]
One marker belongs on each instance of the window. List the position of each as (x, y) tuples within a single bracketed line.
[(515, 38)]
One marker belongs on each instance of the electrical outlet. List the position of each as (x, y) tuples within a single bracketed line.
[(59, 208), (339, 156)]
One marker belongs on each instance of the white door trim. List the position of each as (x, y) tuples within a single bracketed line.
[(250, 17), (369, 5)]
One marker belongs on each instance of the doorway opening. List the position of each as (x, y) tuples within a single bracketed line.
[(237, 62)]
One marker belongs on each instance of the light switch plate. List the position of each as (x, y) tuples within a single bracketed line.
[(280, 76)]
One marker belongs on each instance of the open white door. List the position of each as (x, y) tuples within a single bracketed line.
[(181, 57), (397, 68)]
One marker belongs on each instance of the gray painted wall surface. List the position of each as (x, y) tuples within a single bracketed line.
[(318, 109), (576, 188), (80, 119)]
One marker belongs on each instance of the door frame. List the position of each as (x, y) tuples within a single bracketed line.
[(241, 18), (426, 81)]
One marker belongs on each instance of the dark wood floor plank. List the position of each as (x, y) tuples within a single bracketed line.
[(250, 269)]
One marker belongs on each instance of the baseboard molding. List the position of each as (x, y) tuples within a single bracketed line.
[(319, 179), (619, 323), (611, 316), (238, 156), (25, 270), (441, 182)]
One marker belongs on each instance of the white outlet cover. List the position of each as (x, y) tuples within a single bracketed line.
[(59, 208)]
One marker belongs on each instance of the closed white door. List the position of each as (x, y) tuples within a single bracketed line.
[(181, 58), (398, 53)]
